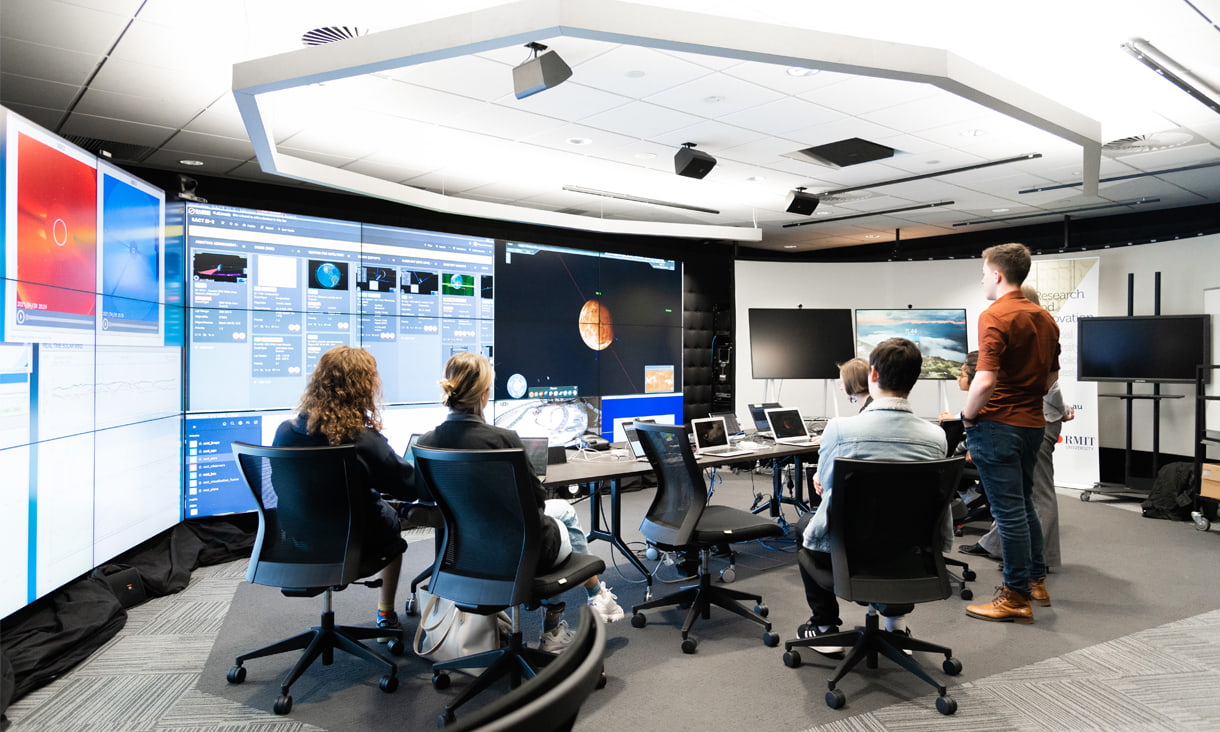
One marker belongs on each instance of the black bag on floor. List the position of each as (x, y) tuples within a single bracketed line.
[(1173, 493)]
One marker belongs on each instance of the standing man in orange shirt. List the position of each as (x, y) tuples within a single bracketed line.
[(1018, 363)]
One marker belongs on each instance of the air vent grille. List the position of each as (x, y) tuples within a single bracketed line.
[(112, 150), (330, 34), (1148, 143), (843, 153)]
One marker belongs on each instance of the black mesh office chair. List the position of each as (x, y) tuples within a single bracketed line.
[(489, 554), (886, 526), (551, 700), (679, 519), (955, 433), (308, 544)]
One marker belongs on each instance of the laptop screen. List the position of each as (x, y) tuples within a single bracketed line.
[(409, 453), (730, 421), (786, 423), (637, 448), (535, 452), (758, 412), (710, 432)]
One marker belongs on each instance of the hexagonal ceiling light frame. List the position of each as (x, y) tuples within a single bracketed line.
[(619, 22)]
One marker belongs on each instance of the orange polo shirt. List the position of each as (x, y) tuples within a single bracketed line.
[(1020, 342)]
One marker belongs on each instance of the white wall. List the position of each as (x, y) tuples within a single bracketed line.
[(1187, 268)]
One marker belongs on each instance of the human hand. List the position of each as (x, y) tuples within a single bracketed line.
[(1069, 413)]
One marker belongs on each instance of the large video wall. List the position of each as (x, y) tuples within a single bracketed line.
[(90, 372), (131, 359)]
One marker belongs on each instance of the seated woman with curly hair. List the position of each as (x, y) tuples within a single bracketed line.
[(340, 407)]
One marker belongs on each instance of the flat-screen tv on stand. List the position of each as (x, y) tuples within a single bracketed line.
[(1143, 348)]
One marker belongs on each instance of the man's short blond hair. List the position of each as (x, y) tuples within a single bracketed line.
[(1011, 260)]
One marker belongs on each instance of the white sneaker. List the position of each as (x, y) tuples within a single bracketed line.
[(556, 639), (604, 605)]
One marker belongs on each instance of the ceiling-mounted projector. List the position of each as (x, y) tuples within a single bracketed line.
[(540, 72)]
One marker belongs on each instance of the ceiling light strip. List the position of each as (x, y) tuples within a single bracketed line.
[(1059, 213), (1177, 74), (1204, 15), (977, 166), (638, 199), (1167, 171), (871, 213)]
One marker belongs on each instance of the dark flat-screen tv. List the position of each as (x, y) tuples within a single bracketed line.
[(940, 335), (802, 343), (1151, 348)]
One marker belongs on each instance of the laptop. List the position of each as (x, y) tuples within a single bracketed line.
[(712, 438), (409, 453), (788, 427), (633, 440), (730, 423), (758, 412), (535, 452)]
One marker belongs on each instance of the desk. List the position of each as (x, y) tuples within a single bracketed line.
[(603, 467)]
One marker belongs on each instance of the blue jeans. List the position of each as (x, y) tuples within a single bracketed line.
[(1005, 457)]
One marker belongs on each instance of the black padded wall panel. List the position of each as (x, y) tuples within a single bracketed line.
[(708, 294)]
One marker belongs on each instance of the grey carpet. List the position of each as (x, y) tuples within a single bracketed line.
[(1132, 642)]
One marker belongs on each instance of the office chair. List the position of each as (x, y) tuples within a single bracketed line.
[(489, 554), (308, 544), (955, 433), (551, 700), (679, 519), (886, 527)]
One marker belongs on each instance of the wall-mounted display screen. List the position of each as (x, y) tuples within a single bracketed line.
[(802, 343), (90, 377), (576, 325), (1152, 348), (940, 335)]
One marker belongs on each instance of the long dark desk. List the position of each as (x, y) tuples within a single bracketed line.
[(603, 467)]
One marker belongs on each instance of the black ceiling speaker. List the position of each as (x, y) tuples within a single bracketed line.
[(540, 72), (693, 163), (800, 202)]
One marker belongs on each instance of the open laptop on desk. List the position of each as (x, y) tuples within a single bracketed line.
[(535, 452), (633, 440), (731, 425), (788, 427), (712, 438), (758, 412)]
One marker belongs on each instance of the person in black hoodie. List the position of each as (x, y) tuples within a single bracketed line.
[(340, 407)]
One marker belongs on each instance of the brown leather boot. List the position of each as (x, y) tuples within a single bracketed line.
[(1038, 593), (1009, 606)]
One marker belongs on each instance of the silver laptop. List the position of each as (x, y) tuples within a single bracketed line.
[(535, 452), (712, 438), (730, 423), (788, 427), (633, 440)]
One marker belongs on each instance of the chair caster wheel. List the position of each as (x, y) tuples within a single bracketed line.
[(282, 705), (601, 681), (409, 608), (444, 718), (1085, 496), (389, 684), (638, 620), (835, 699), (967, 593), (689, 645), (728, 574), (651, 553), (951, 667), (1201, 522), (969, 575), (792, 659), (762, 609), (770, 639), (236, 675), (440, 680), (395, 647), (946, 705)]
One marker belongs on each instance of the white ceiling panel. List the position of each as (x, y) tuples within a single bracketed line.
[(48, 118), (147, 109), (637, 72), (49, 93), (227, 147), (55, 24), (569, 101), (45, 62), (781, 116), (105, 128), (714, 96)]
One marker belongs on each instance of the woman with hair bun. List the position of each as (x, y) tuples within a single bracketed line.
[(340, 407), (466, 389)]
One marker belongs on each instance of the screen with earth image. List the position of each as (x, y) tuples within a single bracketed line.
[(573, 324), (940, 335)]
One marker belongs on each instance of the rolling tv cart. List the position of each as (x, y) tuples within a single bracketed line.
[(1132, 486), (1203, 437)]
